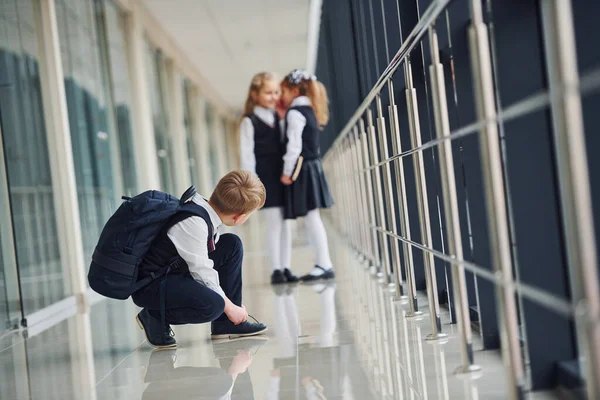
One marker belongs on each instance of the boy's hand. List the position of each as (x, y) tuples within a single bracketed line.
[(236, 314), (286, 180)]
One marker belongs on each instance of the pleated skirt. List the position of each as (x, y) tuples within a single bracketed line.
[(309, 192)]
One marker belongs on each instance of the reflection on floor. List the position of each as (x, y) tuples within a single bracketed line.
[(344, 340)]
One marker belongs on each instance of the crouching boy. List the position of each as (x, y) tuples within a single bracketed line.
[(205, 284)]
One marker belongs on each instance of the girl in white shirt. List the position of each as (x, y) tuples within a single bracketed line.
[(306, 189), (261, 151)]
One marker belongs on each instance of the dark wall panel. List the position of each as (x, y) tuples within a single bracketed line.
[(358, 37)]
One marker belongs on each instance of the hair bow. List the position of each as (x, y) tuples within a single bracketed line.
[(299, 75)]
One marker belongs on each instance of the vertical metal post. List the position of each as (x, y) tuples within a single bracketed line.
[(370, 195), (391, 211), (423, 205), (495, 200), (453, 235), (342, 221), (379, 209), (344, 187), (353, 195), (365, 185), (351, 182), (573, 174), (403, 205), (359, 175), (337, 181), (344, 191)]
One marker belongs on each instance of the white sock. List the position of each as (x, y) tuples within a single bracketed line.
[(316, 231), (285, 242), (274, 225)]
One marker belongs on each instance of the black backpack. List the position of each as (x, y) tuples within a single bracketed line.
[(127, 237)]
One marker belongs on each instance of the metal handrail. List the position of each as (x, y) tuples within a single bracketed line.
[(412, 40)]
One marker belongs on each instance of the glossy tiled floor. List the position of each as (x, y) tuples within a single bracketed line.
[(346, 340)]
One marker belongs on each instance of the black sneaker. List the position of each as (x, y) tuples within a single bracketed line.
[(227, 330), (158, 336), (277, 278), (327, 274), (289, 276)]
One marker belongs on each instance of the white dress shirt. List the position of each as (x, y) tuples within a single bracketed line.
[(295, 125), (189, 237), (248, 158)]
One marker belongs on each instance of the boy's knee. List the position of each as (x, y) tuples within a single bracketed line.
[(232, 241), (218, 308)]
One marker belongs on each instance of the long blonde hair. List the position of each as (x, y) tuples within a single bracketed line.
[(309, 86), (257, 83)]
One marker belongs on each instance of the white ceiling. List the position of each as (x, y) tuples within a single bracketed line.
[(231, 40)]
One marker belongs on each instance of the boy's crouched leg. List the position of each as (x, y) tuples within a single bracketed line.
[(211, 308)]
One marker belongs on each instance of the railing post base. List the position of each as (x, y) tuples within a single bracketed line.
[(415, 316), (472, 372), (400, 299), (439, 337)]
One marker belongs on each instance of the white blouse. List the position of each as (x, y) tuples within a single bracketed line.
[(295, 125)]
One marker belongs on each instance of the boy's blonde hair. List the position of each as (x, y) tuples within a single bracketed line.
[(238, 192)]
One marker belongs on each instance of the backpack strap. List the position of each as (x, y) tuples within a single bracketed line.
[(186, 210), (187, 195)]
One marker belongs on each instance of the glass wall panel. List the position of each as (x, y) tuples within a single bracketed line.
[(4, 313), (43, 280), (10, 307), (229, 143), (111, 26), (158, 95), (189, 134), (213, 148), (91, 135)]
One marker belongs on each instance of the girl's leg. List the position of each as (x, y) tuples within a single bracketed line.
[(316, 231), (286, 242), (274, 222)]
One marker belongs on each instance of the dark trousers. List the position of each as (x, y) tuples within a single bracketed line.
[(190, 302)]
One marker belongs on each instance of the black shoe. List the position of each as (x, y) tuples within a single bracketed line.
[(227, 330), (277, 278), (289, 276), (327, 274), (158, 336)]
